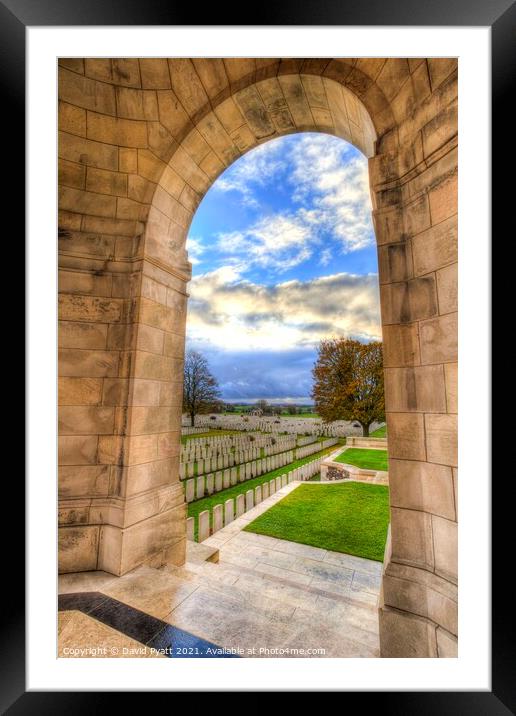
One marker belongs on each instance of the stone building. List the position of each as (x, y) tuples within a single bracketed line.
[(140, 143)]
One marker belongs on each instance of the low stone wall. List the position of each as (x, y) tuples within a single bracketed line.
[(371, 443)]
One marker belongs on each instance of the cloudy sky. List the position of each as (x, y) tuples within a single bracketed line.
[(283, 255)]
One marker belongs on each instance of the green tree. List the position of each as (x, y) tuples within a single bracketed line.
[(200, 387), (348, 382)]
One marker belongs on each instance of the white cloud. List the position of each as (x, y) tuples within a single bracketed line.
[(325, 257), (195, 249), (279, 242), (230, 313), (330, 194), (333, 181), (254, 168)]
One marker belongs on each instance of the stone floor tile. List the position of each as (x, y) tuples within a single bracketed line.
[(356, 563), (84, 582), (281, 573), (157, 594), (366, 582), (323, 571), (97, 640)]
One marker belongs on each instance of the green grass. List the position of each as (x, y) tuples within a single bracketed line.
[(367, 459), (306, 415), (208, 503), (352, 518), (380, 433)]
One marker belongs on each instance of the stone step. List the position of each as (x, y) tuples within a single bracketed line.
[(200, 552), (266, 595)]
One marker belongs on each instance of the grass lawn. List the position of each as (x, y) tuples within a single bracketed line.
[(208, 503), (380, 433), (361, 457), (352, 518)]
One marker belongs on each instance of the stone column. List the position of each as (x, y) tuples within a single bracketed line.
[(121, 340), (414, 189)]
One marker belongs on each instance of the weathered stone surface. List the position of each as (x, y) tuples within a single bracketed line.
[(422, 486), (441, 438), (404, 635)]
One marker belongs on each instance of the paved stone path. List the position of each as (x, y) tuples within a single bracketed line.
[(263, 595)]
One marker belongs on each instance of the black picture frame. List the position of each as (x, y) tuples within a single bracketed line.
[(500, 15)]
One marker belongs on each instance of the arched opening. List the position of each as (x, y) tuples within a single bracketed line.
[(284, 277), (141, 143)]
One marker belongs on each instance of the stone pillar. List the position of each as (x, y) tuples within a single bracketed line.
[(414, 190), (121, 350)]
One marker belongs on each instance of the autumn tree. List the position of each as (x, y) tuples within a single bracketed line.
[(348, 382), (200, 388)]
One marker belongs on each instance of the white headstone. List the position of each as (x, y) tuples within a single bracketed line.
[(229, 511), (217, 518), (190, 525), (210, 483), (190, 490), (204, 525)]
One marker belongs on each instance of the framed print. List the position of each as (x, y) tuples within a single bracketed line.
[(258, 301)]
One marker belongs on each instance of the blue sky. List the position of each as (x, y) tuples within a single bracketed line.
[(283, 255)]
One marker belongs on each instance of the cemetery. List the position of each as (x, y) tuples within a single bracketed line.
[(226, 475)]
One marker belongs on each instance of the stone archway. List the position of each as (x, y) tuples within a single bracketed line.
[(140, 143)]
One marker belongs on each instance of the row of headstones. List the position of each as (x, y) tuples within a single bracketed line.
[(188, 430), (308, 440), (314, 447), (216, 440), (209, 464), (271, 425), (197, 488), (206, 446), (213, 449), (223, 515), (203, 466), (284, 443), (220, 462)]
